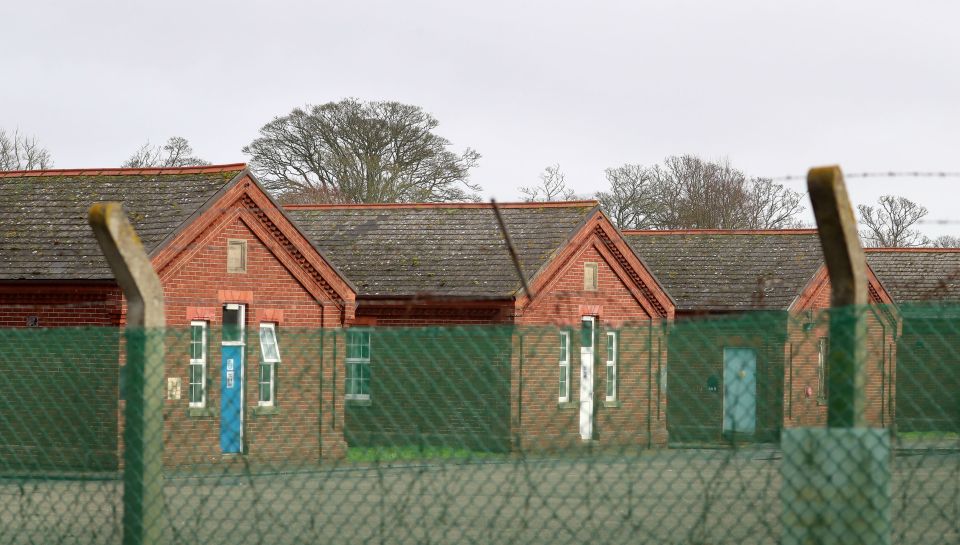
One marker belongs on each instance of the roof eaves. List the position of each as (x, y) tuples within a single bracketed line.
[(208, 169), (428, 205)]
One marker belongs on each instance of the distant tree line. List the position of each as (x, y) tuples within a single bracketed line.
[(364, 152)]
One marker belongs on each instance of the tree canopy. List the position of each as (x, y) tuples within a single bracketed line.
[(360, 152), (687, 192)]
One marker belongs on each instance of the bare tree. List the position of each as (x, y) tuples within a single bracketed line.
[(773, 206), (176, 152), (355, 152), (687, 192), (946, 241), (629, 201), (890, 223), (19, 152), (552, 187)]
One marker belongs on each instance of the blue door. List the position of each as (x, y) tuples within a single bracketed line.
[(739, 390), (231, 400)]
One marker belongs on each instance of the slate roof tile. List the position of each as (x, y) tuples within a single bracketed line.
[(44, 234), (441, 250), (713, 270), (918, 275)]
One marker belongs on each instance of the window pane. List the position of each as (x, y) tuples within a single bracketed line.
[(268, 344), (358, 344), (586, 334), (610, 343), (196, 342), (563, 382), (232, 328), (563, 347)]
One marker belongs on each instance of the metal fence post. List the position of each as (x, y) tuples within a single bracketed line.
[(836, 481), (143, 434)]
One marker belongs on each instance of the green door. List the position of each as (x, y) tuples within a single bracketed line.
[(739, 390)]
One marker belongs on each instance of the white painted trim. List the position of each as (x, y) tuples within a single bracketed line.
[(361, 361), (564, 366), (272, 362), (612, 367), (202, 362)]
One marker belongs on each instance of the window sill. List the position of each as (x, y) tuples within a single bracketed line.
[(568, 405), (612, 404), (821, 401), (359, 402), (263, 410), (201, 412)]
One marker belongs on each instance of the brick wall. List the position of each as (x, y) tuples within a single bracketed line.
[(59, 386), (638, 416), (436, 386), (495, 387), (695, 382), (928, 374), (307, 421), (802, 406)]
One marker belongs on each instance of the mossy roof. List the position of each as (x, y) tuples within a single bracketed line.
[(44, 234)]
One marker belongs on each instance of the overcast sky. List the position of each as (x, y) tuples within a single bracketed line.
[(774, 86)]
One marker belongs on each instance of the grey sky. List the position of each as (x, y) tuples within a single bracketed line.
[(776, 87)]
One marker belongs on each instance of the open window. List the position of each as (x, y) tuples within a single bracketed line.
[(269, 358)]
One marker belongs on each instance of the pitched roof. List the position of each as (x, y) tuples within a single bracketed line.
[(449, 249), (44, 233), (729, 270), (918, 275)]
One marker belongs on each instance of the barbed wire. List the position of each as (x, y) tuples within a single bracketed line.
[(888, 174)]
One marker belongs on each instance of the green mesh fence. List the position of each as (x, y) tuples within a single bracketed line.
[(681, 433)]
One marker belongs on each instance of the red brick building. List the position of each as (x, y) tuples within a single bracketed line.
[(748, 348), (925, 283), (596, 311), (239, 280)]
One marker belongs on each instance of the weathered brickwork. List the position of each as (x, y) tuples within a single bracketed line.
[(928, 375), (201, 286), (497, 388), (71, 387), (695, 383), (638, 415), (803, 404), (60, 386)]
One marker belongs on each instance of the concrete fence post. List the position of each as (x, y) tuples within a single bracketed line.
[(143, 434), (836, 481)]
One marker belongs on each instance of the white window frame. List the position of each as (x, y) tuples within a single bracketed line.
[(272, 362), (823, 352), (564, 367), (202, 362), (612, 356), (360, 361)]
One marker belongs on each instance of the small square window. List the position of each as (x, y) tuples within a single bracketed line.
[(590, 276), (236, 256)]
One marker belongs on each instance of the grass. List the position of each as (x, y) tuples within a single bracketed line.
[(410, 453)]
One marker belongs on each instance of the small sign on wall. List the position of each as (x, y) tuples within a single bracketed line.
[(173, 388)]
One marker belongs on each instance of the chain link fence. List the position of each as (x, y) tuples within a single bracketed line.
[(647, 433)]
